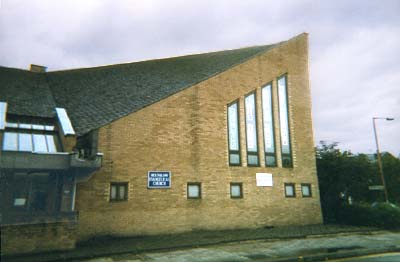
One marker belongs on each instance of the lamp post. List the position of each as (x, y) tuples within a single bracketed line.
[(379, 155)]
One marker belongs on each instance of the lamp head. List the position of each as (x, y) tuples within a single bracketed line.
[(389, 119)]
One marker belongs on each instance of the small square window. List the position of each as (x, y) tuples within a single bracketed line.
[(287, 160), (252, 159), (236, 190), (306, 190), (290, 190), (193, 190), (234, 159), (270, 159), (119, 191)]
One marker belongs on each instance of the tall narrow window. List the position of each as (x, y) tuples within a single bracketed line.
[(233, 134), (268, 124), (306, 190), (251, 130), (3, 114), (284, 122)]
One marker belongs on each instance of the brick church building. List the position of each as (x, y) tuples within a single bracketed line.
[(212, 141)]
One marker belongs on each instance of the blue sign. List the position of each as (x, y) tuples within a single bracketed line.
[(159, 179)]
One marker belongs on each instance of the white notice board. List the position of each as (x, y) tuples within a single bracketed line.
[(264, 179)]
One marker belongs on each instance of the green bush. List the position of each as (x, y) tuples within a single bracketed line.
[(380, 215)]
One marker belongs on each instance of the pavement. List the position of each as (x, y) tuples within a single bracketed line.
[(280, 244), (388, 257)]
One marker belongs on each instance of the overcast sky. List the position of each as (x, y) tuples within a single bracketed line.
[(354, 47)]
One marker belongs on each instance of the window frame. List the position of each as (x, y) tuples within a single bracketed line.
[(118, 185), (49, 129), (251, 153), (293, 185), (266, 154), (3, 114), (238, 152), (29, 183), (198, 184), (309, 190), (284, 155), (22, 191), (241, 190)]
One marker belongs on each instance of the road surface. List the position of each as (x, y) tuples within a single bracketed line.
[(260, 250)]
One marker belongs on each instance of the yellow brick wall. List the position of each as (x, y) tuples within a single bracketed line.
[(36, 238), (186, 134)]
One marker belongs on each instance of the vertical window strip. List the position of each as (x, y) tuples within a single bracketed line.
[(10, 141), (3, 113), (268, 126), (284, 122), (251, 130), (25, 142), (65, 122), (39, 143), (51, 144), (306, 190), (233, 134)]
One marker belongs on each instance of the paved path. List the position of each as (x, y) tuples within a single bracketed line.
[(389, 257), (262, 250), (108, 248)]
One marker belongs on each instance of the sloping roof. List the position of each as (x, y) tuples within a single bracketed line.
[(26, 93), (97, 96)]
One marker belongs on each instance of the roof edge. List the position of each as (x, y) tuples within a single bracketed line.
[(273, 46), (156, 59)]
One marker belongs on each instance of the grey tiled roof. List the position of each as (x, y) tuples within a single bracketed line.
[(26, 93), (97, 96)]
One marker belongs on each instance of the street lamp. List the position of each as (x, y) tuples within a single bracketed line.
[(379, 155)]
